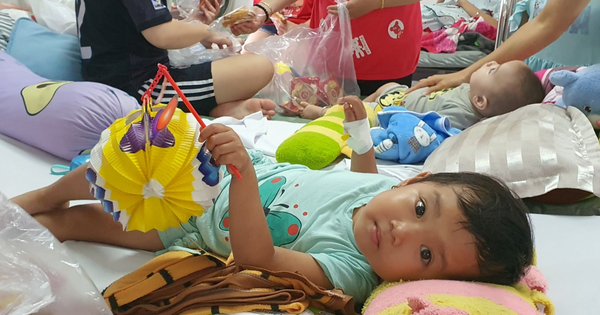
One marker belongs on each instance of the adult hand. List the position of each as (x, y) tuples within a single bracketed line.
[(441, 81), (284, 28), (208, 10), (216, 39), (356, 8), (255, 19)]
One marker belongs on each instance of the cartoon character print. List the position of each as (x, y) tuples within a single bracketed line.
[(38, 96), (433, 95), (395, 29), (394, 98), (285, 227)]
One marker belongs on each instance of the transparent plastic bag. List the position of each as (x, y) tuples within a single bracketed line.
[(311, 65), (197, 54), (57, 15), (36, 274)]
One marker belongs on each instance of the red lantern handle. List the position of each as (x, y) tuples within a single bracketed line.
[(147, 97)]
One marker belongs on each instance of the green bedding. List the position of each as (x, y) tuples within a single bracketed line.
[(589, 206)]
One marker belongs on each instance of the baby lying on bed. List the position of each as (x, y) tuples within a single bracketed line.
[(339, 229), (493, 90)]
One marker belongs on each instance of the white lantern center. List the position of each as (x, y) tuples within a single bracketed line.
[(153, 189)]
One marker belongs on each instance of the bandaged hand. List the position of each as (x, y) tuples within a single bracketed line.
[(356, 125)]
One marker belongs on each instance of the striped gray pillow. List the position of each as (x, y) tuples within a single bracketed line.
[(6, 26), (534, 150)]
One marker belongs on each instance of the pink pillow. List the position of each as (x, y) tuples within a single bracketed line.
[(448, 297)]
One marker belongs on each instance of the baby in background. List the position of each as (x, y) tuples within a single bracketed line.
[(493, 90)]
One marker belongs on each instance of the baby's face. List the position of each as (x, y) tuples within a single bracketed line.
[(414, 232), (493, 78)]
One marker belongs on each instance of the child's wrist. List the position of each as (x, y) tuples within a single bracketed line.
[(359, 132)]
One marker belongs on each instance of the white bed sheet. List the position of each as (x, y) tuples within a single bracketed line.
[(568, 248)]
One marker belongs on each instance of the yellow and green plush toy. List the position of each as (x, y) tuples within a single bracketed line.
[(319, 142)]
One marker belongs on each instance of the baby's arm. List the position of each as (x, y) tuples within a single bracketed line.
[(251, 241), (178, 34), (473, 11), (357, 127)]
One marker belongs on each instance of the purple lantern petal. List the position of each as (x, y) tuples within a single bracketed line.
[(163, 139), (134, 140)]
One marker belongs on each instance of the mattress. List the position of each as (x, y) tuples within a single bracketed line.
[(568, 247)]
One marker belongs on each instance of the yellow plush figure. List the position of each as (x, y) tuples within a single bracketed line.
[(319, 142)]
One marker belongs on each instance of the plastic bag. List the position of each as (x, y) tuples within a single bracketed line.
[(36, 274), (57, 15), (311, 65), (197, 54)]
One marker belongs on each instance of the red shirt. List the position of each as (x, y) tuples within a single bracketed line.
[(386, 42)]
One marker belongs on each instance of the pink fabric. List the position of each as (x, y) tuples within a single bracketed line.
[(534, 279), (446, 40), (421, 306), (553, 93)]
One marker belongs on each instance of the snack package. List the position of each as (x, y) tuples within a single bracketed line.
[(239, 15), (311, 65)]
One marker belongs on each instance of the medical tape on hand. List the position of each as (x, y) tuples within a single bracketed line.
[(360, 135)]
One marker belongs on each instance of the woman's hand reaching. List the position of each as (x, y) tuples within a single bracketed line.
[(256, 18), (208, 10), (439, 82)]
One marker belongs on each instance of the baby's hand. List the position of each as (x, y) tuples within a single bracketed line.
[(353, 108), (356, 125), (226, 146)]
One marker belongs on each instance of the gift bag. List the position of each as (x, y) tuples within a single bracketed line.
[(311, 65)]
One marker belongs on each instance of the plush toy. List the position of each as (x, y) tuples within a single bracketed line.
[(408, 137), (581, 90), (319, 142), (449, 297)]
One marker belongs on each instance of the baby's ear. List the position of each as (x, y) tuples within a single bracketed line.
[(480, 102), (413, 179)]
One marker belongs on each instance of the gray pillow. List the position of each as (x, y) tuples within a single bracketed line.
[(534, 150)]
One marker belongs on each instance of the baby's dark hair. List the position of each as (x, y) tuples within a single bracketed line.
[(525, 89), (498, 221)]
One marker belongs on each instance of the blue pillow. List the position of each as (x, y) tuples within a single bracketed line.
[(48, 54)]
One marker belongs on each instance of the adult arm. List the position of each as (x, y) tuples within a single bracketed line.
[(252, 26), (250, 237), (532, 37), (474, 11), (177, 34)]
